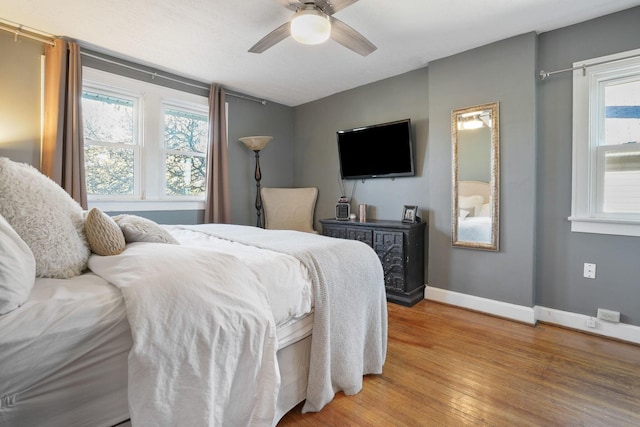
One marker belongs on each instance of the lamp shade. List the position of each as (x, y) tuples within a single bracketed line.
[(310, 26), (256, 143)]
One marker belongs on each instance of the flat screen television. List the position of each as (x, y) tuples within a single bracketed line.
[(384, 150)]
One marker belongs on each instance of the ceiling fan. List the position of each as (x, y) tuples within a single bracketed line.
[(313, 23)]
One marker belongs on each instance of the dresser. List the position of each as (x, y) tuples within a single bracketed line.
[(400, 247)]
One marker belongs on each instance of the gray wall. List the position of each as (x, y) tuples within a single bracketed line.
[(20, 99), (503, 72), (248, 118), (20, 131), (561, 254), (316, 152), (540, 261), (506, 70)]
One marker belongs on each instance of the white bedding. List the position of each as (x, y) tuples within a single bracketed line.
[(204, 338), (68, 344), (179, 264), (79, 340), (350, 311), (285, 278), (474, 229)]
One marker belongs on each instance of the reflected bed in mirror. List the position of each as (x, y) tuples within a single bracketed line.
[(475, 192)]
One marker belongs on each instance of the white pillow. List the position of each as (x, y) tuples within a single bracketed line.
[(485, 210), (17, 268), (49, 221), (138, 229), (463, 213), (471, 204)]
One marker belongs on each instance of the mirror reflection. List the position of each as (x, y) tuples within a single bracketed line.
[(475, 177)]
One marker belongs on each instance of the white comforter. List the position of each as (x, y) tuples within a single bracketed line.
[(204, 336), (350, 316), (285, 278)]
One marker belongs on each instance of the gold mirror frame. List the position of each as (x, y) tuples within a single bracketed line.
[(472, 227)]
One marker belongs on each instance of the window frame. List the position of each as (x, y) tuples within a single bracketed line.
[(152, 178), (588, 125), (137, 99)]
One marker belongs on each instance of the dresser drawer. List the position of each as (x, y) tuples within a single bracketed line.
[(335, 231), (365, 236), (400, 248), (389, 245)]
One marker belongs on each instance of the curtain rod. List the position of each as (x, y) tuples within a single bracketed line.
[(544, 74), (155, 74), (18, 31)]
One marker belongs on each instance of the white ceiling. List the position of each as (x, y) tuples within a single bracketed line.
[(208, 39)]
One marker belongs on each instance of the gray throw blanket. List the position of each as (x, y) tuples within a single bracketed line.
[(349, 337)]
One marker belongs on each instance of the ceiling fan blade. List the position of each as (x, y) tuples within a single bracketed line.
[(350, 38), (332, 6), (275, 36)]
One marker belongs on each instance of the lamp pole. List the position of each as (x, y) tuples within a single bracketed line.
[(255, 144), (258, 176)]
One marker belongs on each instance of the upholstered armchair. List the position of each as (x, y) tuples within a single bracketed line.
[(289, 208)]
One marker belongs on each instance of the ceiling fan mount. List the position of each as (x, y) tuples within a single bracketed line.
[(313, 23)]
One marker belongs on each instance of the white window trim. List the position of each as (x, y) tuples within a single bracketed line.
[(146, 205), (151, 198), (584, 213)]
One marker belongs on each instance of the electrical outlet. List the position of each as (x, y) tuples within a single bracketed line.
[(589, 270), (609, 315), (591, 322)]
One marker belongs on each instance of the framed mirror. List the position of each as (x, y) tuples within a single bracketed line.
[(475, 177)]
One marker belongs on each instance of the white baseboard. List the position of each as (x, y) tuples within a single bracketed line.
[(484, 305), (531, 315), (621, 331)]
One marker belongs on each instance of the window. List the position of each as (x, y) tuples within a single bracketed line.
[(112, 146), (145, 145), (606, 145), (185, 145)]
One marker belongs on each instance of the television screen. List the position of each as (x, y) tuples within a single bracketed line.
[(379, 151)]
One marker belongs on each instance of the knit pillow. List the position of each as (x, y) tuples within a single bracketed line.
[(104, 235), (49, 221), (139, 229), (17, 269)]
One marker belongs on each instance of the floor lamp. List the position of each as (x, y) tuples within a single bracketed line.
[(257, 143)]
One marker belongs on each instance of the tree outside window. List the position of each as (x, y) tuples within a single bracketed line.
[(185, 143)]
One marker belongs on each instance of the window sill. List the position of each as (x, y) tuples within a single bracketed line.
[(605, 226), (146, 205)]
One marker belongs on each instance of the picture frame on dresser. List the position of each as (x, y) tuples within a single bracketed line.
[(410, 214)]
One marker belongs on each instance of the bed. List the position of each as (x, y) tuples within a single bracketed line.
[(224, 325), (474, 212)]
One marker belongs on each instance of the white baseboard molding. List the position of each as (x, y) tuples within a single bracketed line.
[(530, 315), (484, 305), (620, 331)]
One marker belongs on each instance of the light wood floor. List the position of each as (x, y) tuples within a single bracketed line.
[(451, 367)]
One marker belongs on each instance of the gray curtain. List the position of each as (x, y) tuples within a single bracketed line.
[(218, 203), (63, 142)]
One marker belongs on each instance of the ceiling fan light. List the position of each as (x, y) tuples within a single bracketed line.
[(310, 26), (471, 122)]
